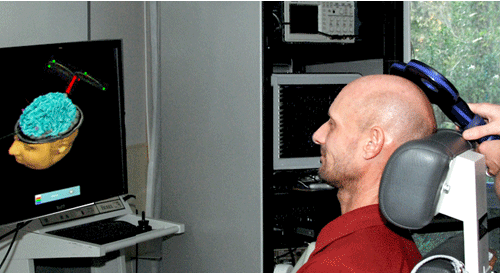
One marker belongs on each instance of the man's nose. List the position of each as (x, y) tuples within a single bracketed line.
[(319, 136), (15, 149)]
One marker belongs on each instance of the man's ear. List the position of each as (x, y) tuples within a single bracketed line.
[(64, 145), (374, 142), (62, 149)]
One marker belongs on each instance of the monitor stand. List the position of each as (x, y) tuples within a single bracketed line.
[(33, 241)]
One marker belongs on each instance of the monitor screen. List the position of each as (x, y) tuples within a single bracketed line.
[(300, 107), (303, 18), (62, 133)]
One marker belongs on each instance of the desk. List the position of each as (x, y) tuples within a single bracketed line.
[(33, 243)]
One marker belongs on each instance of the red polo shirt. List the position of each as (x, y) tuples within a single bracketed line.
[(359, 241)]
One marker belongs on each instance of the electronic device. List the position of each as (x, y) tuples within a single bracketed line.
[(100, 232), (90, 74), (320, 21), (441, 92), (300, 106)]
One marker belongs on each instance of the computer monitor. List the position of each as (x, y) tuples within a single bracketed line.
[(300, 107), (43, 175)]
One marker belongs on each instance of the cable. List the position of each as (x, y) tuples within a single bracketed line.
[(15, 229), (303, 184), (127, 197), (136, 250), (280, 26), (18, 227), (8, 135)]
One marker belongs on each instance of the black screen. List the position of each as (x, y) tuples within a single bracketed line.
[(303, 109), (96, 163), (304, 19)]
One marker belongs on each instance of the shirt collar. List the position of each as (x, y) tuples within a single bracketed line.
[(348, 223)]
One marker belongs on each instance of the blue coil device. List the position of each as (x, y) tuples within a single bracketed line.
[(441, 92)]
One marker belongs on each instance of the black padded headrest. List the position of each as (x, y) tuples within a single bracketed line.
[(414, 175)]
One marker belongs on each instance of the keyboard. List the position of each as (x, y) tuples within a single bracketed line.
[(100, 232)]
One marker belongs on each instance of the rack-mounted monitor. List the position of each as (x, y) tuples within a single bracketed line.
[(300, 107)]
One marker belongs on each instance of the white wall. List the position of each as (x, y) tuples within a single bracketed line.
[(212, 135), (30, 23), (125, 20)]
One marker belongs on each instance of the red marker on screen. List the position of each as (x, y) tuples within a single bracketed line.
[(68, 90)]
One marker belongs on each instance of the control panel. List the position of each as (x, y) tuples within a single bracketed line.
[(336, 18), (83, 212)]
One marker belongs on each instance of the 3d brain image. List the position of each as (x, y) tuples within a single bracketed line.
[(48, 116)]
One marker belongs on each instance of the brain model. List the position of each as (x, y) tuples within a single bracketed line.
[(48, 116)]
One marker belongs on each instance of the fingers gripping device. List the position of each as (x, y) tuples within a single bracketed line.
[(441, 92)]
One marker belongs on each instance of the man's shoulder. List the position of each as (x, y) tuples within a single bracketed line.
[(372, 249), (378, 237)]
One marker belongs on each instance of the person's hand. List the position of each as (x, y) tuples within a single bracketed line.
[(490, 149), (491, 114)]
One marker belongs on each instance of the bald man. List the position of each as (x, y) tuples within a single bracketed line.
[(370, 118)]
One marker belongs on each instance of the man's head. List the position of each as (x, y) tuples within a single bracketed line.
[(40, 156), (46, 131), (369, 119)]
